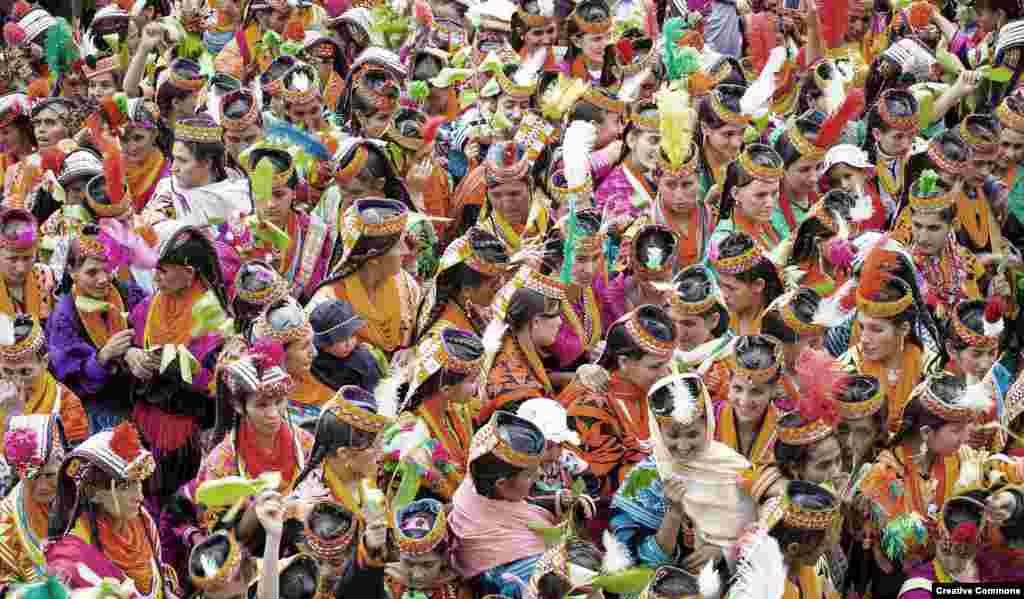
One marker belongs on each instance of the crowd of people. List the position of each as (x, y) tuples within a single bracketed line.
[(455, 299)]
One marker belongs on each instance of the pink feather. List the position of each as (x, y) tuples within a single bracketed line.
[(14, 35), (125, 247), (424, 16), (818, 374), (336, 8), (20, 446), (840, 252), (268, 353)]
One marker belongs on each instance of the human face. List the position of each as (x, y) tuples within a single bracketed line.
[(75, 86), (237, 141), (692, 329), (511, 201), (857, 437), (583, 269), (808, 552), (644, 149), (299, 356), (725, 141), (93, 278), (791, 351), (858, 27), (846, 177), (740, 296), (484, 294), (423, 571), (190, 173), (538, 37), (24, 373), (122, 502), (983, 167), (894, 142), (609, 130), (757, 200), (174, 278), (678, 194), (684, 441), (929, 232), (974, 361), (592, 46), (49, 127), (307, 115), (643, 372), (464, 391), (15, 265), (802, 175), (278, 208), (987, 20), (231, 10), (948, 438), (517, 488), (544, 327), (823, 463), (265, 414), (513, 109), (390, 264), (137, 143), (43, 488), (879, 337), (274, 20), (1011, 146), (183, 106), (376, 124), (102, 86), (13, 140), (342, 348), (749, 400)]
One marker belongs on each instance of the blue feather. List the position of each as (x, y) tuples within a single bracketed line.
[(277, 128)]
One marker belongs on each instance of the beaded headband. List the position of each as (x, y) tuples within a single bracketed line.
[(878, 309), (807, 433), (806, 147), (207, 133), (408, 545), (956, 167), (489, 439), (306, 95), (293, 332), (434, 353), (761, 172), (649, 343), (107, 64), (646, 123), (855, 410), (970, 337), (345, 174), (798, 326), (251, 117), (460, 251), (725, 114), (355, 226), (793, 514), (219, 574), (687, 168), (980, 145), (741, 263), (692, 308), (950, 413), (1009, 118), (511, 88), (334, 550), (532, 20), (274, 291), (181, 81), (592, 26), (25, 349), (903, 123), (602, 101), (354, 415), (760, 376), (89, 246), (656, 256)]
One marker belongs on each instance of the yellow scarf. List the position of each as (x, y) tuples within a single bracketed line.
[(384, 318), (810, 585), (591, 337), (33, 299), (727, 434), (101, 325), (897, 395), (141, 178)]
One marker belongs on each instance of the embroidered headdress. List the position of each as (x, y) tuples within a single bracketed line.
[(981, 133), (301, 85), (32, 441), (80, 164), (240, 109), (680, 398), (930, 194), (592, 16), (859, 396), (757, 358), (644, 116), (877, 271), (18, 230), (21, 339), (420, 527), (1010, 112), (949, 152), (272, 79), (450, 349), (696, 293), (979, 323), (506, 162), (285, 322), (330, 530), (360, 409), (947, 396), (101, 201), (261, 372), (793, 511), (216, 561), (679, 154), (898, 109), (198, 129), (371, 227), (258, 284), (816, 416), (646, 326), (513, 440)]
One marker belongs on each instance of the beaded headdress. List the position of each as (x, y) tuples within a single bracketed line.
[(21, 338), (439, 351), (981, 133), (881, 261), (641, 117), (991, 316), (680, 404), (741, 263), (514, 440), (199, 130), (186, 74), (251, 116), (118, 452), (589, 239), (347, 405), (460, 251), (973, 403), (669, 582), (638, 332), (258, 284), (1010, 112), (330, 531), (371, 218), (721, 108), (18, 230), (596, 26), (772, 172), (284, 323), (817, 415), (301, 85), (89, 244), (272, 79), (216, 561), (942, 150), (791, 513), (420, 527), (652, 257), (30, 442), (99, 200), (506, 162), (603, 100), (709, 299), (544, 16), (887, 105), (964, 539), (261, 373), (859, 396)]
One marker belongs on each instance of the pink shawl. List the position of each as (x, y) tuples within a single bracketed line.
[(492, 532)]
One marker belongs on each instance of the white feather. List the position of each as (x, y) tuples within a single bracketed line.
[(6, 330), (616, 555), (758, 94), (843, 226), (977, 398), (209, 566), (709, 583), (630, 89), (684, 404), (492, 336), (830, 312), (88, 575), (862, 209), (386, 393), (992, 329), (579, 142), (546, 8), (526, 74), (761, 573)]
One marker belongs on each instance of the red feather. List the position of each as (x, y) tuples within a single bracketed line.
[(763, 38), (995, 307), (833, 126), (430, 129), (52, 160), (833, 21), (651, 27), (967, 532), (115, 118), (113, 170), (21, 8), (625, 48), (819, 374), (268, 353), (125, 442), (878, 265), (14, 35)]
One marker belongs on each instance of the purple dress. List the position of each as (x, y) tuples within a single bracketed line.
[(568, 347), (623, 192), (104, 390)]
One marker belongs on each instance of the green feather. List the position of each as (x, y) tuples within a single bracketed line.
[(902, 534), (1016, 198), (926, 184), (121, 100), (672, 55), (409, 486), (569, 245), (418, 90), (638, 480), (60, 48), (633, 580), (263, 181)]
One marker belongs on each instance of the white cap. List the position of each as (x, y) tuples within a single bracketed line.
[(550, 417), (848, 154)]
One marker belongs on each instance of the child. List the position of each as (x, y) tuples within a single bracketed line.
[(341, 359)]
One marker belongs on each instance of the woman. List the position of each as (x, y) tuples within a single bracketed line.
[(373, 92), (325, 54), (749, 195), (304, 262), (435, 412), (534, 26), (99, 502), (257, 286), (613, 421), (469, 275), (145, 155), (18, 138), (189, 309), (88, 333), (721, 124), (342, 469), (177, 93), (629, 189), (701, 319), (885, 342), (51, 120), (801, 154), (34, 448), (795, 319), (972, 340), (979, 228), (918, 470), (288, 324), (961, 527), (892, 123), (821, 248), (746, 418), (749, 281), (646, 261), (490, 518), (424, 563), (30, 388), (591, 57), (526, 316), (679, 203), (691, 507), (368, 274), (242, 119)]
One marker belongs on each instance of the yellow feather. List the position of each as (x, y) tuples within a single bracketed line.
[(678, 121), (561, 96)]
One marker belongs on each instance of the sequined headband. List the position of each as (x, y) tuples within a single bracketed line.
[(744, 262), (25, 349), (970, 337), (648, 342), (903, 123), (188, 132), (878, 309), (592, 26), (686, 169), (332, 551), (222, 574), (408, 545), (855, 410), (345, 174), (945, 411), (806, 434), (488, 439), (980, 145), (803, 145), (354, 415), (793, 514), (89, 246), (725, 114), (759, 171), (1009, 118)]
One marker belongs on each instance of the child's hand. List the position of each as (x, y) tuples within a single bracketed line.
[(675, 491)]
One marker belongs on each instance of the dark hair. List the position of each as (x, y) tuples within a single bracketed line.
[(757, 352), (239, 105), (899, 103), (949, 388), (694, 284), (737, 177), (76, 257), (462, 345), (298, 583), (168, 92), (281, 160), (858, 388), (425, 66), (806, 125), (591, 11), (839, 204), (789, 457), (216, 548), (487, 470), (620, 343), (584, 110), (191, 247), (212, 152), (525, 305), (728, 94), (588, 223), (809, 90), (737, 243), (645, 109), (803, 305), (332, 434), (892, 289), (971, 314), (663, 399), (379, 166), (579, 553), (806, 496)]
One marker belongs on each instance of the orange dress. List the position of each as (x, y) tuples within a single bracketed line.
[(517, 374)]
